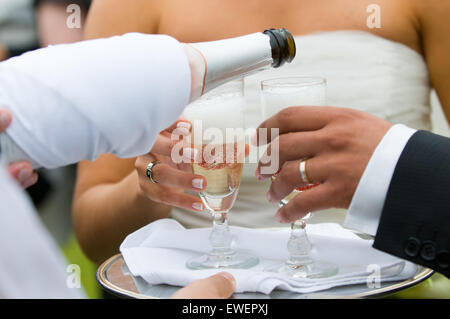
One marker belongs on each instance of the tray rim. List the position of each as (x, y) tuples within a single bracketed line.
[(423, 274)]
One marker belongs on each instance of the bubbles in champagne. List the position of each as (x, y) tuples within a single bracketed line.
[(218, 135), (277, 96), (223, 176), (216, 114)]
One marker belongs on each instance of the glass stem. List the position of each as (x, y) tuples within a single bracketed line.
[(220, 237), (298, 245)]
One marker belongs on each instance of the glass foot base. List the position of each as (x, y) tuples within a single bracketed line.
[(236, 260), (315, 269)]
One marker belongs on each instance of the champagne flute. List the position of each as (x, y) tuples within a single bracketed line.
[(218, 135), (277, 94)]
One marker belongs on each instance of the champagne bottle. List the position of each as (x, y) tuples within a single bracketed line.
[(211, 63), (216, 62)]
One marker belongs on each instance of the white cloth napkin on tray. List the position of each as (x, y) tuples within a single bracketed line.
[(158, 253)]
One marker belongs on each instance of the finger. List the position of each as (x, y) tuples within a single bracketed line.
[(219, 286), (163, 145), (289, 178), (166, 175), (20, 171), (182, 125), (294, 119), (30, 181), (285, 148), (317, 198), (172, 144), (178, 130), (5, 119), (169, 196), (172, 148), (23, 173), (180, 200)]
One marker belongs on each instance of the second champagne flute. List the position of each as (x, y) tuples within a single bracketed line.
[(278, 94), (218, 135)]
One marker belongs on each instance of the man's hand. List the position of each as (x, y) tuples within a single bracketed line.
[(337, 144), (20, 171), (219, 286)]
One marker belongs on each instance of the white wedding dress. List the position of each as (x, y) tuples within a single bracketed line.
[(364, 72)]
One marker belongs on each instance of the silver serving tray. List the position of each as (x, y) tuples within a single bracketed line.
[(114, 277)]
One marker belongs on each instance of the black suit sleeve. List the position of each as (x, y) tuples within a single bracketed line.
[(415, 222)]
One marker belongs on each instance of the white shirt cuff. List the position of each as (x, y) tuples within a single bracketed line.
[(368, 201)]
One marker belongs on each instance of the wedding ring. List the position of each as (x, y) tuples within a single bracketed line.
[(150, 171), (302, 168)]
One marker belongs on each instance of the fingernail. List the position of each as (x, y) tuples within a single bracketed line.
[(183, 131), (184, 125), (190, 153), (24, 174), (197, 206), (228, 276), (197, 183), (30, 181)]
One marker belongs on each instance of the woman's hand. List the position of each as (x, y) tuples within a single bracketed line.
[(118, 193), (172, 178), (20, 171)]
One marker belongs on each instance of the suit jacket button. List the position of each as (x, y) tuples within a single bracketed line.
[(443, 259), (412, 247), (428, 251)]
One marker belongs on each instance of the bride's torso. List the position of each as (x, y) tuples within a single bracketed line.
[(363, 71)]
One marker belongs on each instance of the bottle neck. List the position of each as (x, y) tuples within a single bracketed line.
[(283, 46), (234, 58)]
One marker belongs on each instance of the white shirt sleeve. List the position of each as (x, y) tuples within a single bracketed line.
[(367, 204), (76, 101)]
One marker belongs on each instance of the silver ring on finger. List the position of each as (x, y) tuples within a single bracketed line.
[(149, 171), (304, 176)]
